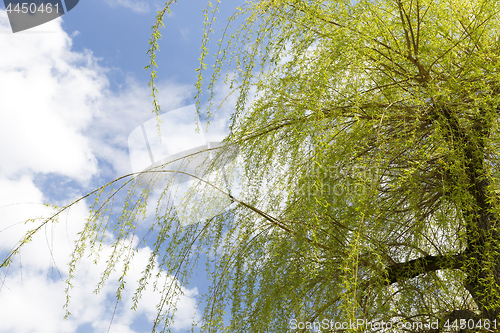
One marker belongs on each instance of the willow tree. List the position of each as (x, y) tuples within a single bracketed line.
[(369, 138)]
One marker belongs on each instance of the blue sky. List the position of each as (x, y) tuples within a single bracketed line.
[(71, 92)]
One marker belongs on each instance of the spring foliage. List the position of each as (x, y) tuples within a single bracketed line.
[(369, 184)]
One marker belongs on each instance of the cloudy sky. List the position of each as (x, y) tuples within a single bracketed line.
[(71, 92)]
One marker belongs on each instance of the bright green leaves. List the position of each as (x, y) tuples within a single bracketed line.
[(369, 138)]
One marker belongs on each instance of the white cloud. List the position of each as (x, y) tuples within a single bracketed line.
[(57, 112), (125, 111), (58, 116), (27, 304), (138, 7), (48, 94), (32, 302)]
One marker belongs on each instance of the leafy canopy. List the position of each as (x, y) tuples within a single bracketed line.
[(369, 184)]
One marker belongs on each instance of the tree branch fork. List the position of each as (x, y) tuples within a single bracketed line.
[(397, 272)]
